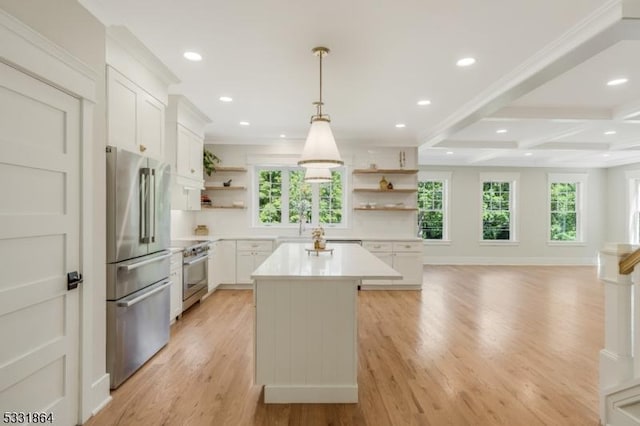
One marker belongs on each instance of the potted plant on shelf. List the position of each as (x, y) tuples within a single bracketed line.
[(209, 161)]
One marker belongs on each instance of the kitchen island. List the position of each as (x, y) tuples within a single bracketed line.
[(305, 331)]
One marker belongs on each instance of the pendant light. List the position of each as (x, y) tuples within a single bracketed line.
[(320, 150), (317, 175)]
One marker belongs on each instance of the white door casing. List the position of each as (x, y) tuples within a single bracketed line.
[(40, 135)]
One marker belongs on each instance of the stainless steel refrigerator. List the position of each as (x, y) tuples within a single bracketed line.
[(138, 237)]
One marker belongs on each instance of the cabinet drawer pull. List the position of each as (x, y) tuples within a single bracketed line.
[(143, 148), (377, 246), (407, 246), (193, 170)]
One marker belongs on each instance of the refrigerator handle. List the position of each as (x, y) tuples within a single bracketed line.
[(150, 292), (144, 205), (152, 193)]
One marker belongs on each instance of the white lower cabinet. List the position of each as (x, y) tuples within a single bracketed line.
[(225, 262), (214, 266), (404, 257), (175, 275), (250, 254)]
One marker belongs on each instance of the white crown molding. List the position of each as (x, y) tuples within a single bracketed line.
[(130, 43), (577, 44), (26, 49), (190, 108)]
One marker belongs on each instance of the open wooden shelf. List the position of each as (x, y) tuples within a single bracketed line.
[(225, 188), (385, 171), (230, 169), (223, 207), (388, 209), (400, 190)]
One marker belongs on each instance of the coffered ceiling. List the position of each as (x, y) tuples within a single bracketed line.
[(532, 76)]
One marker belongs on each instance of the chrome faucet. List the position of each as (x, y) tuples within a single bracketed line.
[(302, 218)]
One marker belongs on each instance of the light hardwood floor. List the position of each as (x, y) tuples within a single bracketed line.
[(478, 346)]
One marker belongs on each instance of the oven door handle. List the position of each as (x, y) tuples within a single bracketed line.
[(129, 303), (144, 262), (198, 260)]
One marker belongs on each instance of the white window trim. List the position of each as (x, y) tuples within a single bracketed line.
[(514, 199), (580, 179), (445, 178), (315, 200)]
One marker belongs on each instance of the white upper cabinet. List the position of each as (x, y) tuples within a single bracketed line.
[(185, 126), (135, 119), (137, 95)]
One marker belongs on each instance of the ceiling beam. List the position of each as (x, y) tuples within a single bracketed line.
[(539, 140), (627, 111), (575, 146), (550, 113), (599, 31), (477, 144), (626, 144), (488, 156)]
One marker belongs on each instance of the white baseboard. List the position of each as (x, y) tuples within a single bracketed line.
[(282, 394), (375, 287), (100, 394), (235, 287), (541, 261)]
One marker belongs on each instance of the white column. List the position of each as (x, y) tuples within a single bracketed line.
[(616, 359)]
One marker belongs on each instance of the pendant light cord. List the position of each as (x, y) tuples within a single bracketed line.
[(320, 104)]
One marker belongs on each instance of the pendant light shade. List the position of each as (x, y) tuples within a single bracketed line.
[(320, 150), (317, 175)]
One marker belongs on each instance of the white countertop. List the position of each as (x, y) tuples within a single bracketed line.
[(349, 261), (290, 237)]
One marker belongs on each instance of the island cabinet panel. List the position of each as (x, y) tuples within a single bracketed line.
[(306, 340), (306, 313)]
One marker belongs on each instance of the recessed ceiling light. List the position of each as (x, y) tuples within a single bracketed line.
[(606, 155), (501, 131), (528, 154), (449, 152), (424, 102), (610, 132), (192, 56), (226, 99), (244, 123), (465, 62), (401, 125), (283, 135), (617, 81)]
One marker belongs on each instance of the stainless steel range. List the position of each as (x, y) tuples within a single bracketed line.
[(195, 270)]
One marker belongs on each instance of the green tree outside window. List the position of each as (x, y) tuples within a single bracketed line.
[(331, 200), (430, 205), (270, 196), (564, 213), (496, 211)]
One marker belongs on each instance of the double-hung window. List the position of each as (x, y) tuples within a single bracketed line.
[(283, 198), (498, 204), (433, 206), (566, 198)]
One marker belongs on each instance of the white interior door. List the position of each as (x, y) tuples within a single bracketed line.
[(39, 245)]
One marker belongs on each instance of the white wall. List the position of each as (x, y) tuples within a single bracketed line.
[(72, 27), (361, 224), (532, 232), (182, 223), (616, 200)]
